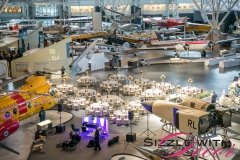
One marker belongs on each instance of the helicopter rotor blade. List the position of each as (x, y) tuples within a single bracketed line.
[(26, 92)]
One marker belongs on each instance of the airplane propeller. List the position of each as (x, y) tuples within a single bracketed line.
[(186, 47), (211, 44)]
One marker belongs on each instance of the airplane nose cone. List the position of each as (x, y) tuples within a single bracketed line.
[(148, 105)]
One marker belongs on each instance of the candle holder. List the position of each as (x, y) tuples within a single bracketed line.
[(109, 75), (178, 87), (190, 80), (118, 69), (162, 77), (108, 91), (130, 78), (141, 73), (87, 83), (87, 71)]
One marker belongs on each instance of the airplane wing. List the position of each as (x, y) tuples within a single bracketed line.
[(227, 40), (104, 8), (88, 53), (8, 31), (196, 24), (144, 48), (51, 32)]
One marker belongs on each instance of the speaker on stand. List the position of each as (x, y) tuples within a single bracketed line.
[(61, 127)]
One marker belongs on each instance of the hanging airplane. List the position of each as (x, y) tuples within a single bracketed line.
[(123, 18), (14, 30), (182, 45)]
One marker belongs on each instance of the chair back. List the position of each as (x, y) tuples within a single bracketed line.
[(73, 127), (84, 129)]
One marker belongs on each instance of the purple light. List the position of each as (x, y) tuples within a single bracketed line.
[(103, 122)]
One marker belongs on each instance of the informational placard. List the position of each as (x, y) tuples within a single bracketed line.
[(50, 65), (41, 38), (21, 66), (97, 21), (25, 34)]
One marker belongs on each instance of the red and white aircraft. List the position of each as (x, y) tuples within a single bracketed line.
[(14, 30), (181, 46), (173, 22)]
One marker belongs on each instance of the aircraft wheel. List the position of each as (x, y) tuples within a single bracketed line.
[(135, 55), (224, 144), (203, 53), (176, 55)]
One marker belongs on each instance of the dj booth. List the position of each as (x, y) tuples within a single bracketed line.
[(92, 122)]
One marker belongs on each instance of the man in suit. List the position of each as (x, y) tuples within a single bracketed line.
[(96, 139)]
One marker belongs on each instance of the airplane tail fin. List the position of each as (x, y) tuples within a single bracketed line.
[(15, 27), (114, 24), (185, 20), (138, 13), (154, 37)]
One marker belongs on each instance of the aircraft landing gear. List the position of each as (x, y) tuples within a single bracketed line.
[(176, 55), (203, 53), (135, 54), (226, 143)]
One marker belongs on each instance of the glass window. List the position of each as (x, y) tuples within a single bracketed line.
[(46, 10)]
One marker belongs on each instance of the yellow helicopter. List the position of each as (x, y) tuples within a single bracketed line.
[(19, 105)]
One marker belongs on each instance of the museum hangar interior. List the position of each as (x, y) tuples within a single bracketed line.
[(119, 79)]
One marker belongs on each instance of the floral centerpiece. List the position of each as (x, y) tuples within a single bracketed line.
[(162, 77), (190, 80), (232, 95)]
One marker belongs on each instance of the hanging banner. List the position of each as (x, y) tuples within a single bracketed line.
[(41, 38), (20, 33), (25, 35)]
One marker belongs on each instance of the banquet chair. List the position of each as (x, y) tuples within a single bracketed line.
[(82, 105), (97, 112), (91, 111), (110, 110), (136, 117), (69, 106), (76, 130), (125, 91), (126, 120), (105, 111), (194, 93), (75, 106), (118, 120), (87, 110), (141, 110), (113, 118)]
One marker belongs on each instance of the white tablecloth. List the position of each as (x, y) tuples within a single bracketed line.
[(135, 105), (110, 84), (142, 81), (109, 98), (214, 61), (191, 89), (99, 107), (131, 87), (153, 92), (85, 79), (80, 100), (230, 63), (89, 92), (117, 77), (64, 87), (164, 85)]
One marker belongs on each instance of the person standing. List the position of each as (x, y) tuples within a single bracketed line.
[(214, 97), (42, 115), (96, 140), (63, 71)]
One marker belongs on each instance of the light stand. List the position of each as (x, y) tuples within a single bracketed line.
[(148, 132), (60, 128)]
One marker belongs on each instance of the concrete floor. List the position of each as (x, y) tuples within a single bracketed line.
[(211, 78)]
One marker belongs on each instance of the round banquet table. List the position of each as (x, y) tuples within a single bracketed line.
[(64, 87), (111, 98), (85, 79), (121, 115), (78, 100), (164, 85), (118, 77), (153, 92), (131, 87), (134, 105), (191, 89), (142, 81), (87, 92), (99, 107), (111, 84)]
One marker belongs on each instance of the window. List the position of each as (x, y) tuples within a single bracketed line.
[(7, 114), (46, 11), (15, 110)]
